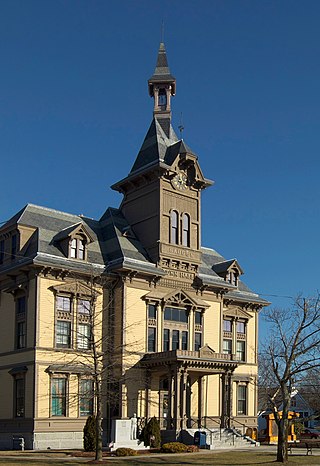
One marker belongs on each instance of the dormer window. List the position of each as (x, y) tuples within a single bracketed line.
[(77, 248), (232, 277)]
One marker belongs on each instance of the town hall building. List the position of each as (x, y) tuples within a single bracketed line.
[(133, 300)]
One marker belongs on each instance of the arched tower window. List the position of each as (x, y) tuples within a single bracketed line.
[(174, 231), (185, 230), (162, 98)]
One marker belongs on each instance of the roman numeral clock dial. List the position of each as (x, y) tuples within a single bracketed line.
[(180, 181)]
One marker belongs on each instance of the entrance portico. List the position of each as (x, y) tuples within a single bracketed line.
[(179, 370)]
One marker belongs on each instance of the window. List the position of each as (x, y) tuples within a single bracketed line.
[(174, 230), (21, 335), (83, 306), (85, 397), (185, 230), (63, 334), (21, 326), (1, 251), (227, 325), (175, 314), (63, 303), (175, 339), (166, 339), (151, 339), (84, 336), (162, 98), (19, 396), (198, 318), (241, 350), (152, 311), (13, 246), (241, 327), (242, 399), (58, 396), (77, 248), (227, 346), (197, 341), (184, 340)]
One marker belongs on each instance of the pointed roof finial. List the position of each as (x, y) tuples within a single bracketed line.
[(162, 31), (162, 71)]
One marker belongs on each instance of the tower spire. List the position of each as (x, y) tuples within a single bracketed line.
[(162, 85)]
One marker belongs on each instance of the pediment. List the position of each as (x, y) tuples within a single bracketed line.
[(74, 288), (236, 312), (176, 298), (76, 229), (227, 266), (206, 351)]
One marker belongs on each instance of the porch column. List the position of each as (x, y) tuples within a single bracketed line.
[(147, 396), (200, 407), (169, 417), (177, 389), (184, 399), (229, 399), (223, 401)]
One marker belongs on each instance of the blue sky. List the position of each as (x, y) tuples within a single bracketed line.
[(74, 109)]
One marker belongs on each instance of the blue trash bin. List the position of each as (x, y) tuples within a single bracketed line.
[(200, 439)]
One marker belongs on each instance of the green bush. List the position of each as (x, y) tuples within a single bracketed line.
[(125, 452), (174, 447), (151, 434), (89, 434)]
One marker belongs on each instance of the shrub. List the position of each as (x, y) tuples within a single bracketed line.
[(174, 447), (125, 452), (192, 448), (151, 434), (89, 434)]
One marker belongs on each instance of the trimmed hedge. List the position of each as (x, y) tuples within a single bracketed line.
[(174, 447), (125, 452)]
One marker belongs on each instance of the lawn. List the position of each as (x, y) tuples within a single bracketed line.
[(231, 458)]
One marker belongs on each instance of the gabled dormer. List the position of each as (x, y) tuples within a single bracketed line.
[(73, 241), (229, 270)]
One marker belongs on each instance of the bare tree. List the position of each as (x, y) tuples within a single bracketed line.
[(291, 352)]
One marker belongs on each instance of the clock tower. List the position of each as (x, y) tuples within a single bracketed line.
[(166, 180)]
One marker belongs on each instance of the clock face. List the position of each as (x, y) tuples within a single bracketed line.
[(180, 181)]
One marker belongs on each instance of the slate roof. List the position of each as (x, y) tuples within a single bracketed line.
[(162, 72), (113, 247)]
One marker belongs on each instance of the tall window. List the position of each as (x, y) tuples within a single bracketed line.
[(174, 229), (58, 396), (21, 325), (184, 340), (85, 397), (152, 326), (1, 251), (84, 336), (227, 325), (19, 395), (242, 399), (185, 230), (241, 350), (166, 339), (151, 339), (175, 339), (197, 341), (63, 334), (227, 346), (77, 248), (175, 314), (241, 327), (162, 98)]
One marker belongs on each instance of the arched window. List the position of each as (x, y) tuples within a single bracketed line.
[(162, 98), (185, 230), (174, 230)]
